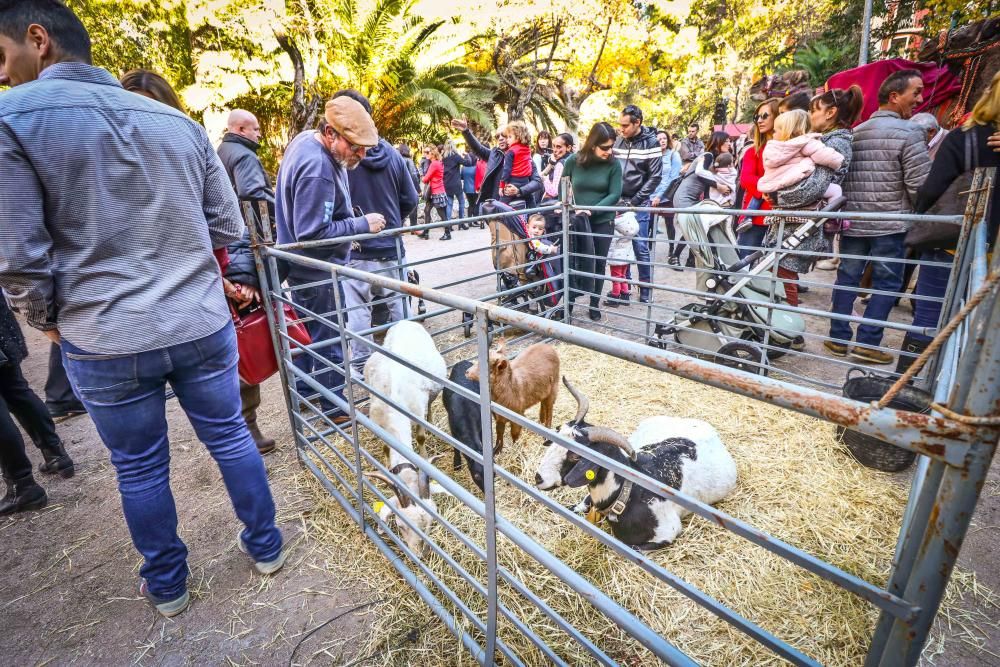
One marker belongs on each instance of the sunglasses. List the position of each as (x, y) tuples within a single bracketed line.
[(607, 147), (761, 116)]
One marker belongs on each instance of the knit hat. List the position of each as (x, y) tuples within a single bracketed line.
[(351, 121)]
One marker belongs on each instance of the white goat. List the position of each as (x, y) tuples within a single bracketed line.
[(414, 393), (685, 454)]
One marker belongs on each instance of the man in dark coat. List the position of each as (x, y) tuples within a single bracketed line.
[(238, 152), (530, 193)]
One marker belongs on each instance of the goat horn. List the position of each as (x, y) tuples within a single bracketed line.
[(581, 401), (404, 501), (612, 437), (423, 480)]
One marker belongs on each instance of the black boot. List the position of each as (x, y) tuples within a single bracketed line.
[(22, 495), (645, 294), (463, 226), (595, 309), (426, 234), (912, 345), (447, 234), (57, 462)]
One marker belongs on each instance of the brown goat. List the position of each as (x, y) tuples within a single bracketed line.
[(533, 377)]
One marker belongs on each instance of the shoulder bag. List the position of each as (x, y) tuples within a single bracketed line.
[(253, 339), (944, 235)]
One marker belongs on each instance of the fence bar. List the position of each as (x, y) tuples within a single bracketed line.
[(486, 419), (977, 394)]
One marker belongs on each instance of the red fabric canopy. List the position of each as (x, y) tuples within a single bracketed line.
[(940, 84)]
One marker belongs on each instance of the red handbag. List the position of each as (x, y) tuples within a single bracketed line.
[(253, 339)]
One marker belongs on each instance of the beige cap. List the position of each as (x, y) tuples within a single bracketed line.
[(351, 121)]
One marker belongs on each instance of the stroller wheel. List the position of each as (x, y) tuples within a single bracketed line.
[(741, 356), (778, 349)]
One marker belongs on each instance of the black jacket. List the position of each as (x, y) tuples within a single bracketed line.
[(12, 347), (532, 192), (246, 173), (382, 184), (453, 172), (642, 165)]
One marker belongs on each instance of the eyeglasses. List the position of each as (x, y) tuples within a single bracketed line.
[(761, 116)]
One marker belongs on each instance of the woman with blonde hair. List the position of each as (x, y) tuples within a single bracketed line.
[(945, 192)]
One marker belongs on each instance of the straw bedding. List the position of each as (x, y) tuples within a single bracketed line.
[(795, 482)]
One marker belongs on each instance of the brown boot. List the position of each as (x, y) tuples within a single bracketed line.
[(250, 400), (264, 445)]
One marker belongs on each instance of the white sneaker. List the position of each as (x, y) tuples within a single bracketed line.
[(268, 566)]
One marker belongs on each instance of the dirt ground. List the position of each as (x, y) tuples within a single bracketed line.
[(68, 592)]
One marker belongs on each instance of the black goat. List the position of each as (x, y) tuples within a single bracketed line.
[(465, 420)]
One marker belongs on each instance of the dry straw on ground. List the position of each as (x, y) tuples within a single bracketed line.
[(795, 482)]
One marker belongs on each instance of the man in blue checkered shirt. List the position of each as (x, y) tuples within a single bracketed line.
[(110, 207)]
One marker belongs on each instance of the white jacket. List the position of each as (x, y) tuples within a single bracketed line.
[(626, 227)]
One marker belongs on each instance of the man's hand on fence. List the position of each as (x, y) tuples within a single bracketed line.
[(376, 222)]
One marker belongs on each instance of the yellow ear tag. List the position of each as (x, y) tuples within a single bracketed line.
[(378, 506), (590, 474)]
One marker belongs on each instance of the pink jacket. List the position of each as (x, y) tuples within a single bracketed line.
[(789, 162)]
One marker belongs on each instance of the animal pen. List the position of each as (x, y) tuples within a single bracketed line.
[(541, 584)]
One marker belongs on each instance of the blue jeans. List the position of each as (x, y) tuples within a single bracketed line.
[(931, 281), (641, 246), (125, 396), (322, 301), (886, 276), (753, 237), (460, 196)]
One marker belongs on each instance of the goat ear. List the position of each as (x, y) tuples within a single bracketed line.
[(502, 365), (582, 474)]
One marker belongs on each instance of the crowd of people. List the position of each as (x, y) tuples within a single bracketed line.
[(122, 239)]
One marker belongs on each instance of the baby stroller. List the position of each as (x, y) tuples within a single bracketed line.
[(732, 332), (510, 260)]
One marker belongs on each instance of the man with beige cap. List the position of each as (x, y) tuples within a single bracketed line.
[(313, 202)]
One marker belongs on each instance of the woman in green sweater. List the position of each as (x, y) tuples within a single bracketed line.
[(597, 181)]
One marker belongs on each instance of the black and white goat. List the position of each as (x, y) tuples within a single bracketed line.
[(415, 393), (685, 454), (464, 420)]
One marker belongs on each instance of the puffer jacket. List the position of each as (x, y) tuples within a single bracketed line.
[(789, 162), (889, 165), (642, 165), (626, 227)]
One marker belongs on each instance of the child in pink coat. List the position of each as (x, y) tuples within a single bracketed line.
[(792, 155)]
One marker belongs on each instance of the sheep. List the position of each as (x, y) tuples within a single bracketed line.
[(464, 420), (686, 454), (413, 392), (517, 385)]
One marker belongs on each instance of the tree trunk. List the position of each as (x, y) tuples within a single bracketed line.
[(305, 103)]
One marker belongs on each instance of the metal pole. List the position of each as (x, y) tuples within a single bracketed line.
[(486, 418), (564, 197), (977, 394), (345, 347), (866, 32)]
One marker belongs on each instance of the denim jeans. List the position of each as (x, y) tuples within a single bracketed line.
[(460, 198), (886, 276), (932, 281), (125, 396), (640, 245), (322, 301), (752, 237)]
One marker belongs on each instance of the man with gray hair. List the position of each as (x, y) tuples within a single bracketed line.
[(313, 203), (890, 163), (935, 134)]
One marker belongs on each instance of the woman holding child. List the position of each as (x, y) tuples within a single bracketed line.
[(804, 169)]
